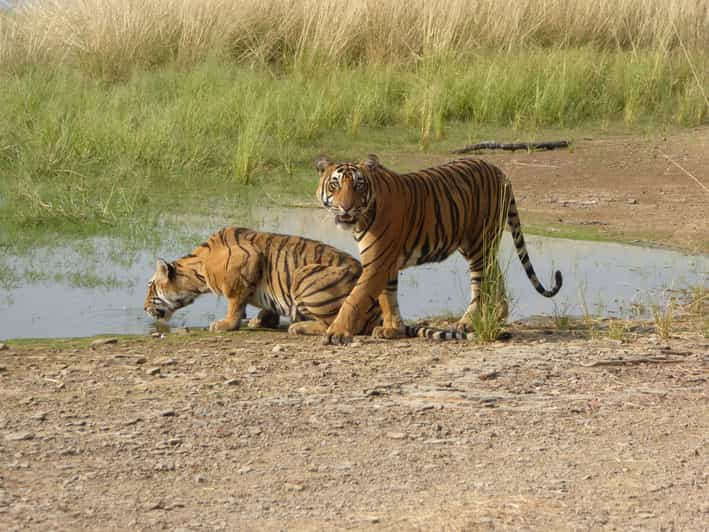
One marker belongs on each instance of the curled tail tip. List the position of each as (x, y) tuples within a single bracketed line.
[(558, 282)]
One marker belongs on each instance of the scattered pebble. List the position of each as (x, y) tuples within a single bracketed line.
[(166, 362), (294, 487), (489, 375), (396, 435), (245, 470), (232, 382), (278, 348), (19, 436), (104, 341), (167, 413), (153, 371)]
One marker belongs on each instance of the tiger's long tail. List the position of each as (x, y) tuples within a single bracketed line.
[(516, 228)]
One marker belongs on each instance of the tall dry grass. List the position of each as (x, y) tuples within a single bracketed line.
[(111, 36)]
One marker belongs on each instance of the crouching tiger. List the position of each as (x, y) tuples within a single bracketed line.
[(282, 275), (401, 220)]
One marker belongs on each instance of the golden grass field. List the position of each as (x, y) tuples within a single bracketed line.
[(151, 31)]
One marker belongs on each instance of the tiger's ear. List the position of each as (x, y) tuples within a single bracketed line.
[(372, 161), (322, 163), (163, 268)]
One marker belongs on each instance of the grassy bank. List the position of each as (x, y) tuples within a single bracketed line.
[(80, 155)]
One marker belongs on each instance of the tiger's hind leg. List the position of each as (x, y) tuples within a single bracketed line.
[(318, 291), (392, 326), (491, 276)]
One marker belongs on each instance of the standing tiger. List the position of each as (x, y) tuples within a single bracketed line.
[(283, 275), (402, 220)]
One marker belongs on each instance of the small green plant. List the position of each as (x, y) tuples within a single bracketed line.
[(488, 323), (663, 316), (588, 320), (561, 317), (617, 330), (493, 307)]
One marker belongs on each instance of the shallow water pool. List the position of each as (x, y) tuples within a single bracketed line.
[(604, 278)]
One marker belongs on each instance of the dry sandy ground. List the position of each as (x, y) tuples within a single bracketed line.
[(262, 431)]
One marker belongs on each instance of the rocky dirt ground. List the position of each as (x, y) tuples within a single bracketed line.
[(262, 431)]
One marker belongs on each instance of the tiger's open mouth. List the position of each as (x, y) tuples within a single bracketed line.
[(344, 219)]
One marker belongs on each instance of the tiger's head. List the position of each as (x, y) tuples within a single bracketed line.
[(345, 189), (170, 289)]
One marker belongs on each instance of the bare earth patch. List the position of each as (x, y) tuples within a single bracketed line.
[(265, 431)]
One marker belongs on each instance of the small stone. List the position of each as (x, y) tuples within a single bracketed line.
[(199, 479), (489, 375), (167, 413), (245, 470), (4, 347), (278, 348), (232, 382), (356, 343), (371, 519), (252, 370), (103, 341), (19, 436), (41, 416), (396, 435), (153, 371), (294, 487), (166, 362), (632, 201)]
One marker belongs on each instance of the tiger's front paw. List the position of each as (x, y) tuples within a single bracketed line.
[(334, 336), (388, 333), (223, 326)]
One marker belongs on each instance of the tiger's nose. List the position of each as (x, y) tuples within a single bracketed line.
[(346, 206)]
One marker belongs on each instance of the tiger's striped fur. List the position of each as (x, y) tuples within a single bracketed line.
[(402, 220), (284, 275)]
